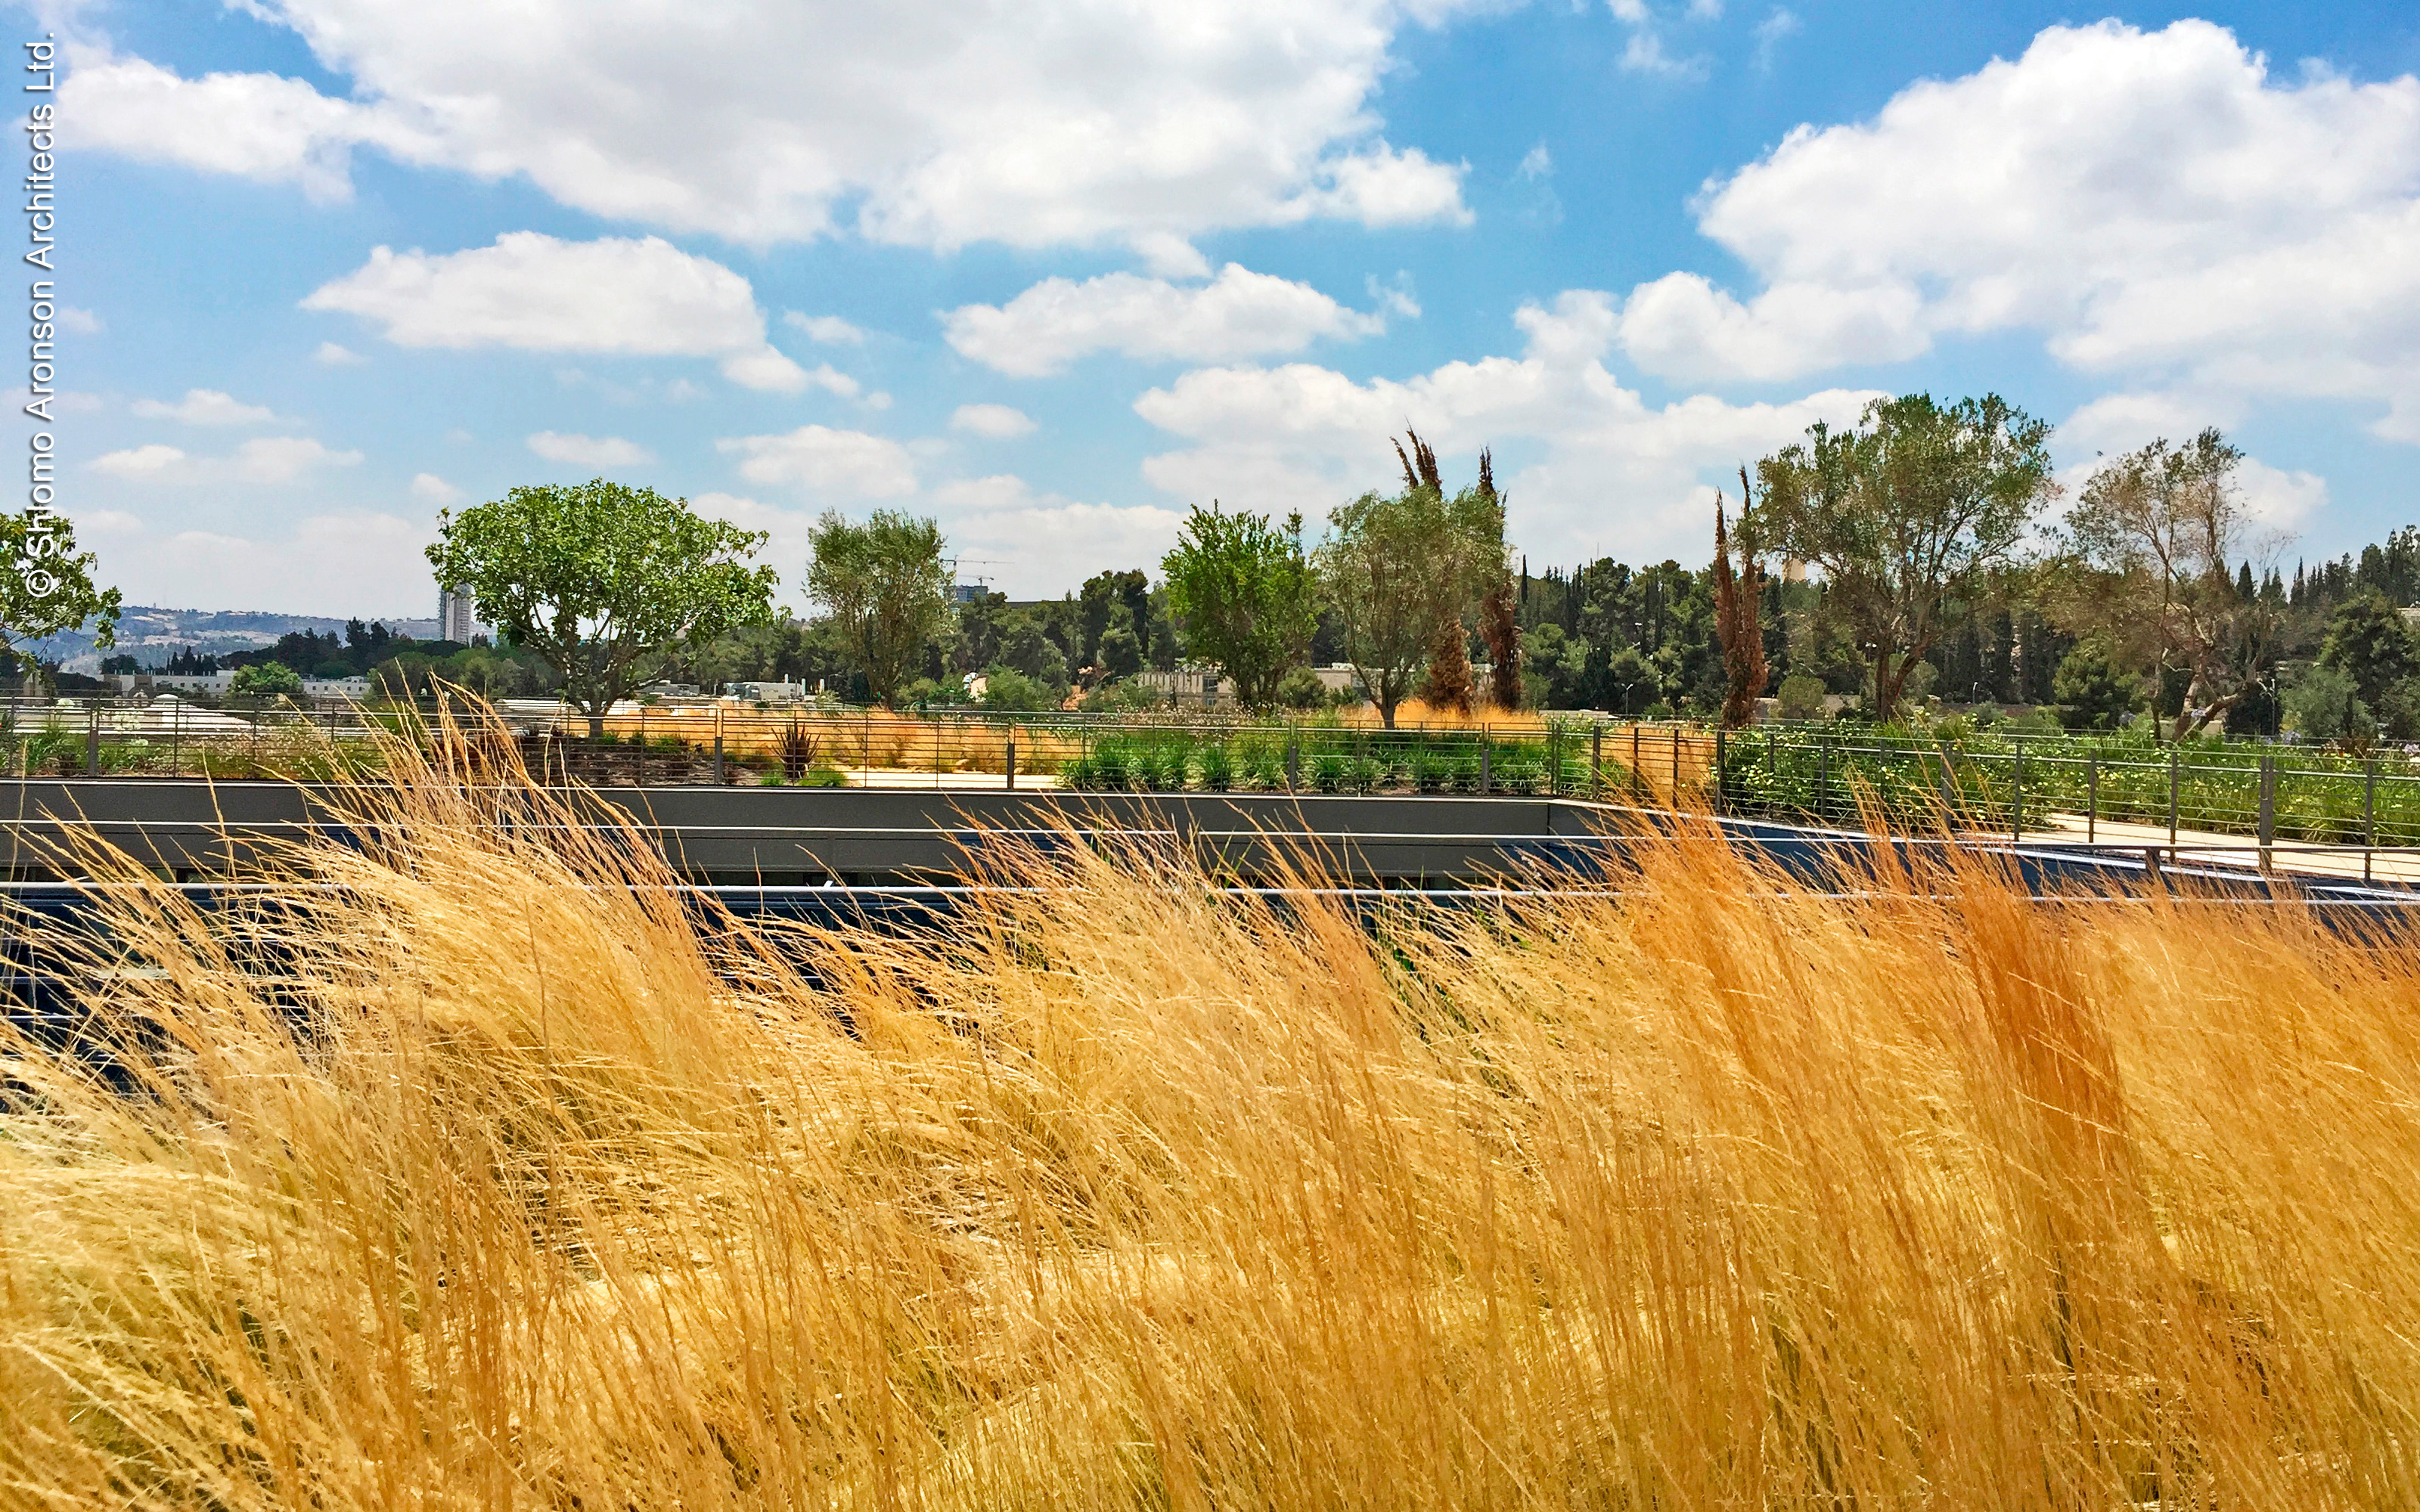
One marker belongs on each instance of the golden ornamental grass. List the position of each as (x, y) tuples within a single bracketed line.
[(476, 1174)]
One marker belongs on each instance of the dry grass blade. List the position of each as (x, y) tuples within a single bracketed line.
[(470, 1168)]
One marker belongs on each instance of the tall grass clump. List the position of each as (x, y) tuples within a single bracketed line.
[(467, 1167)]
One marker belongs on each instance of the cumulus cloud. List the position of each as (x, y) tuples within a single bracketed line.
[(362, 562), (826, 330), (332, 355), (825, 461), (205, 407), (139, 462), (2153, 203), (83, 322), (995, 422), (1239, 314), (1602, 470), (639, 297), (940, 124), (604, 451), (431, 488), (269, 459)]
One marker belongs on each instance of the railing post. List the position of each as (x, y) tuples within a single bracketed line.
[(2172, 801), (1638, 771), (2268, 824), (1012, 757), (1675, 793), (1596, 764), (2017, 793), (1823, 774), (1293, 758), (1721, 774), (92, 743), (718, 744), (2369, 815), (177, 738), (1486, 772), (2091, 798)]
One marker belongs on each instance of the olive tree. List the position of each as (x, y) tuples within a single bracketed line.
[(887, 587), (1395, 569), (1909, 514), (2149, 543), (603, 580)]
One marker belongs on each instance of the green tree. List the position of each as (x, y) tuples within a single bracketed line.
[(2325, 704), (2149, 547), (1799, 699), (2094, 693), (46, 585), (1006, 688), (1244, 597), (2369, 642), (1907, 514), (887, 589), (1301, 689), (1393, 568), (601, 580), (1027, 650), (1121, 649), (266, 679)]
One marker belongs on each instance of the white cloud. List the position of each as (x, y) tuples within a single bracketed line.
[(83, 322), (140, 462), (2280, 500), (1778, 24), (1536, 163), (1682, 327), (364, 562), (2152, 204), (269, 459), (332, 355), (588, 451), (825, 330), (998, 421), (1239, 314), (1645, 54), (205, 407), (431, 488), (536, 292), (283, 459), (1039, 546), (1095, 120), (823, 460), (2115, 422), (1604, 471), (1166, 255)]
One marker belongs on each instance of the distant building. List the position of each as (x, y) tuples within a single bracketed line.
[(457, 617)]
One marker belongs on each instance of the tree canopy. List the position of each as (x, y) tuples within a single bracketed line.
[(1909, 514), (1244, 597), (2149, 542), (1394, 569), (887, 587), (46, 585), (602, 579)]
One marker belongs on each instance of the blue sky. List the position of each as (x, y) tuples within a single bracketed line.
[(1053, 271)]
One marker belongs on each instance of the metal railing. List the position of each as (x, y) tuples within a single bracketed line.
[(2165, 799), (724, 744)]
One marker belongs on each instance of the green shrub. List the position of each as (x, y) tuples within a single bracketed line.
[(1217, 771)]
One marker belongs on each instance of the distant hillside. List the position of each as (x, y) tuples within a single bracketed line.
[(153, 635)]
